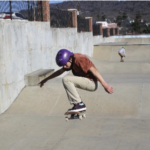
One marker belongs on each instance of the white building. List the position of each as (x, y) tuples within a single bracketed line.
[(107, 25), (104, 24)]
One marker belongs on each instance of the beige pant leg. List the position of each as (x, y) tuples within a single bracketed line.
[(72, 82), (121, 55)]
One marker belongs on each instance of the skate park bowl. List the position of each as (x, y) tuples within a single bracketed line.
[(114, 121), (132, 77)]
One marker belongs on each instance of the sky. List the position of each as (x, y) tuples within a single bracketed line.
[(53, 1)]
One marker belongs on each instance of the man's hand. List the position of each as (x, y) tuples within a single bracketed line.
[(41, 83), (109, 89)]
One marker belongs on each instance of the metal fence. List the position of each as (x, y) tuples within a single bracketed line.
[(105, 32), (82, 24), (111, 31), (96, 29), (116, 31), (60, 18), (30, 10)]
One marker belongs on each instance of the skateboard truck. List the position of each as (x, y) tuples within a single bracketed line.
[(75, 115)]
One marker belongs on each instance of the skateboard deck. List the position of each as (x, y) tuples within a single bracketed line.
[(75, 115)]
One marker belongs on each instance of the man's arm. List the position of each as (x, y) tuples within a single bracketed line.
[(107, 87), (55, 74), (124, 53)]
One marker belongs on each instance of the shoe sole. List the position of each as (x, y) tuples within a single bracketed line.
[(77, 110)]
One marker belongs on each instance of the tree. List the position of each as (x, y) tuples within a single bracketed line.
[(136, 27), (119, 20), (103, 17), (98, 17), (124, 16), (138, 16), (146, 29)]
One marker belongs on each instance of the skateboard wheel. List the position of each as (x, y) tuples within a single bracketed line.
[(66, 119), (80, 117), (84, 115)]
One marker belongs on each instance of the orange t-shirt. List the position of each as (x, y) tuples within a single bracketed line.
[(81, 66)]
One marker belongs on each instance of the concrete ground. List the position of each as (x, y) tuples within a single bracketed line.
[(121, 121)]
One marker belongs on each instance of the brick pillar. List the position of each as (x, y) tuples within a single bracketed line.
[(74, 17), (90, 23), (113, 31), (46, 10), (101, 29), (108, 32), (117, 31)]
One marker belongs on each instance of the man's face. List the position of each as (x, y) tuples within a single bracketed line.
[(67, 65)]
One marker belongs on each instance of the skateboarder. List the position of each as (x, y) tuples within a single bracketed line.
[(121, 52), (86, 77)]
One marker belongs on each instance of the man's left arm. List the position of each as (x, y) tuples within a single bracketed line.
[(124, 53), (96, 74)]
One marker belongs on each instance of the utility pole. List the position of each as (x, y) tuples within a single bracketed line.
[(78, 13), (33, 10), (10, 10), (78, 5)]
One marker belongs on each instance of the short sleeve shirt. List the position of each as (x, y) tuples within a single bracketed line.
[(81, 66), (121, 51)]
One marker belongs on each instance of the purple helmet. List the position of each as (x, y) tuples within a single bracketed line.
[(62, 57)]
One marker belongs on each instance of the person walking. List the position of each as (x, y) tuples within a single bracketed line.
[(86, 77), (121, 53)]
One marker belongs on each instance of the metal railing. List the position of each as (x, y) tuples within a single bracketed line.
[(29, 10), (82, 24), (105, 32), (111, 31), (60, 18), (96, 29), (116, 31)]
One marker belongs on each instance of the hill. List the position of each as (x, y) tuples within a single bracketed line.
[(108, 9)]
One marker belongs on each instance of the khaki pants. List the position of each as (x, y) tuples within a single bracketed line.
[(121, 55), (72, 82)]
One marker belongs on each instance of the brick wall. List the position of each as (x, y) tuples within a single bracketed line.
[(90, 23), (74, 17), (46, 10)]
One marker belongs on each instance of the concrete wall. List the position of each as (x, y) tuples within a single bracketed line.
[(133, 39), (128, 39), (99, 39), (26, 47)]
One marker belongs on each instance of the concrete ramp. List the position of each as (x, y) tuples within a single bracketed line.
[(134, 40), (124, 68), (130, 98), (134, 53), (120, 121)]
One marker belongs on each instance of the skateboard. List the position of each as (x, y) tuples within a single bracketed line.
[(75, 115)]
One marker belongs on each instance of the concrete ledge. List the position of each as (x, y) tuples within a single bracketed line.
[(35, 77)]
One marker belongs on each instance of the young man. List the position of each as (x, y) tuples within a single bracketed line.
[(121, 52), (86, 77)]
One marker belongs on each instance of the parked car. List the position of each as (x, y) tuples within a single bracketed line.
[(7, 15)]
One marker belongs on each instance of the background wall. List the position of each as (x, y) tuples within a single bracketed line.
[(26, 47), (100, 39)]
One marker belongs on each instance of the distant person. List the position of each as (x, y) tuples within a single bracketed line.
[(121, 52), (86, 77)]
